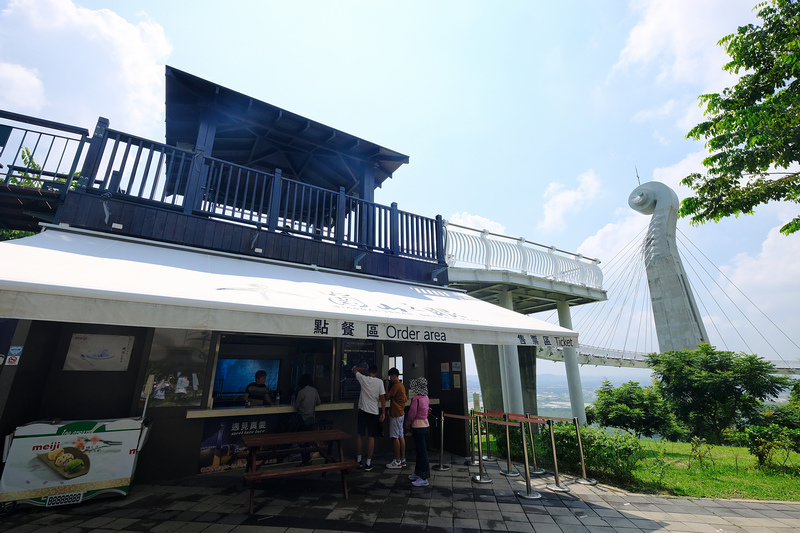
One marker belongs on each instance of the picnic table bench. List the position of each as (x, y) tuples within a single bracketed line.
[(267, 445)]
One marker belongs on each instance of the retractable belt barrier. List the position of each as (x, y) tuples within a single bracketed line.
[(581, 480), (520, 421), (486, 416), (441, 466), (483, 476), (530, 420)]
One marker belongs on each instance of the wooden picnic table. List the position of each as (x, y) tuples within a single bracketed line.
[(269, 445)]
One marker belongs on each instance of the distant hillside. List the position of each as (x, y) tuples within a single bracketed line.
[(553, 392)]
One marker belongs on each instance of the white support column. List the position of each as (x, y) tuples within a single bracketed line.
[(573, 369), (509, 369)]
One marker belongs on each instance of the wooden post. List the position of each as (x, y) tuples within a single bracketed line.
[(274, 201), (394, 229), (95, 152)]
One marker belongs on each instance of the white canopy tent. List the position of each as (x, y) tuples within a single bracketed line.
[(71, 275)]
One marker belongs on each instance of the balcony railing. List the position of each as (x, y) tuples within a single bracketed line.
[(470, 248), (168, 177), (44, 154)]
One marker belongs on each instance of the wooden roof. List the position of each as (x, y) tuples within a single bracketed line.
[(259, 135)]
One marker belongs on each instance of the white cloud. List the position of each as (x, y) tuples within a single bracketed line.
[(91, 62), (558, 200), (477, 222), (650, 114), (679, 38), (616, 237), (20, 88), (672, 175)]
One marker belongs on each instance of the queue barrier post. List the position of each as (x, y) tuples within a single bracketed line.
[(471, 460), (530, 419), (530, 494), (508, 472), (557, 486), (441, 466), (488, 456), (582, 480), (536, 470), (482, 476)]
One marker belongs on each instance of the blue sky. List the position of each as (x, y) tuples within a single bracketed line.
[(526, 118)]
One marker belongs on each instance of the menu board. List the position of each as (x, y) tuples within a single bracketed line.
[(355, 353)]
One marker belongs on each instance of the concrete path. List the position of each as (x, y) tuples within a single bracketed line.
[(384, 500)]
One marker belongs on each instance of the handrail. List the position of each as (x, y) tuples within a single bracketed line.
[(49, 124), (474, 248), (45, 159), (140, 169), (136, 169)]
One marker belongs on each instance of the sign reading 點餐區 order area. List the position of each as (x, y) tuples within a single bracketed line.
[(83, 458)]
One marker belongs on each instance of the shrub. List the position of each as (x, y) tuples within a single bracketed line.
[(764, 442)]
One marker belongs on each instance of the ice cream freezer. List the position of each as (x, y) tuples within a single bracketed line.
[(58, 463)]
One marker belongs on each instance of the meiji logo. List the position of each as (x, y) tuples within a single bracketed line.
[(47, 447)]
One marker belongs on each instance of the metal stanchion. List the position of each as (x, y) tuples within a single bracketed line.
[(557, 486), (529, 494), (508, 472), (536, 470), (488, 456), (582, 480), (471, 460), (482, 476), (441, 466)]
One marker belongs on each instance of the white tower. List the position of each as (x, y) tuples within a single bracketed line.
[(679, 325)]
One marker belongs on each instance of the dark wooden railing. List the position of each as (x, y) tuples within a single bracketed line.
[(43, 154), (145, 171)]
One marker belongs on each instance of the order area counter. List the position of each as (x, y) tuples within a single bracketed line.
[(224, 412)]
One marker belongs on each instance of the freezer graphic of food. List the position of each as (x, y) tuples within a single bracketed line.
[(68, 462)]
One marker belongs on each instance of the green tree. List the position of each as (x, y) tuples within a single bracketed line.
[(638, 410), (710, 390), (9, 234), (753, 128)]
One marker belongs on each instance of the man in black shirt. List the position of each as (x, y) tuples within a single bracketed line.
[(257, 393)]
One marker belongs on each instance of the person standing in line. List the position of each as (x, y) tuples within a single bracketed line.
[(372, 395), (257, 392), (397, 409), (417, 422), (305, 403)]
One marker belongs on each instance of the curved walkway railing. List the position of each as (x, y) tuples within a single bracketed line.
[(592, 355), (471, 248)]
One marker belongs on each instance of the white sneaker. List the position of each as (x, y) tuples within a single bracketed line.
[(394, 464), (413, 477), (419, 482)]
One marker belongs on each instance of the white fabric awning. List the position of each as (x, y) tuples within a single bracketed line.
[(73, 276)]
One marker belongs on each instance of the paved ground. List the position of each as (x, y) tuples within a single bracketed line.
[(384, 500)]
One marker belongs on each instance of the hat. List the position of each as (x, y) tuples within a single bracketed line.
[(419, 387)]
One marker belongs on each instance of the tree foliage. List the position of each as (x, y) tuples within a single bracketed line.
[(638, 410), (753, 128), (710, 390)]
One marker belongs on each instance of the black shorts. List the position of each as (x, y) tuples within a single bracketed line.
[(369, 424)]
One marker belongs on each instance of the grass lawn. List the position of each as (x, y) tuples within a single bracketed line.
[(715, 472)]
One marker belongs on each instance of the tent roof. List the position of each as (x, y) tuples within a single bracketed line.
[(72, 275)]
